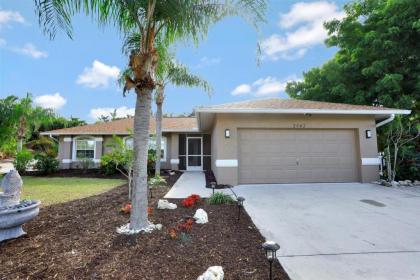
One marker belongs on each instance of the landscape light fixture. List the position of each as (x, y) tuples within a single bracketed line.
[(227, 133), (213, 186), (240, 202), (271, 248), (368, 133), (150, 191)]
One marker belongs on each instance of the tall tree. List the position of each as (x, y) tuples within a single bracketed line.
[(377, 62), (378, 58), (153, 23), (170, 71), (14, 116)]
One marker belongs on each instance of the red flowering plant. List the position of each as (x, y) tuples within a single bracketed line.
[(182, 230), (191, 201), (126, 209), (185, 226)]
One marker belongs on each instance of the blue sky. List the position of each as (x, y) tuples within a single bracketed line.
[(77, 77)]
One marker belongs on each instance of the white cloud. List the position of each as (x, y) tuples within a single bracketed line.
[(307, 19), (241, 89), (7, 17), (30, 50), (99, 75), (208, 61), (50, 101), (122, 112), (269, 86), (2, 42)]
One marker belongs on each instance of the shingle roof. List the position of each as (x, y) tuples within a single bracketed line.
[(122, 127), (284, 104)]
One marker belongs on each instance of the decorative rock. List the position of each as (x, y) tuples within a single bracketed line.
[(164, 204), (416, 183), (387, 184), (212, 273), (394, 184), (201, 217), (125, 229)]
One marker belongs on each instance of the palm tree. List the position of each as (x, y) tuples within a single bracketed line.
[(170, 71), (153, 23)]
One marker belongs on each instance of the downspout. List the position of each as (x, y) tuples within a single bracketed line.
[(388, 120), (379, 124)]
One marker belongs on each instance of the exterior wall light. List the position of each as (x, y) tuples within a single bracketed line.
[(368, 133), (227, 133), (240, 202), (271, 248)]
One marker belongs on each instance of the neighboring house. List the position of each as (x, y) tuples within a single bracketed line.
[(257, 141)]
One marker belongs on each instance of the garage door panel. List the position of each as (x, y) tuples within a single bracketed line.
[(297, 156)]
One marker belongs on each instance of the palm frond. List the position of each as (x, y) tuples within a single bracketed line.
[(57, 14), (179, 75)]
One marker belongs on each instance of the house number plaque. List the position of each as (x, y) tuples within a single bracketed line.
[(299, 125)]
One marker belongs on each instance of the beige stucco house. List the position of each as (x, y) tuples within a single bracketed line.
[(257, 141)]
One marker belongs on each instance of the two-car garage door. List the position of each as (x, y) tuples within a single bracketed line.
[(272, 156)]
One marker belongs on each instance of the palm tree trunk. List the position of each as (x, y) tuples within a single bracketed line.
[(20, 145), (139, 200), (159, 104)]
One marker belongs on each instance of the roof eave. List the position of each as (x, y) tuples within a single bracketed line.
[(47, 133)]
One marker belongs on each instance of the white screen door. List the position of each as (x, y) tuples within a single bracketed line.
[(194, 153)]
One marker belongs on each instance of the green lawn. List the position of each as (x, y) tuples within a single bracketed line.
[(57, 190)]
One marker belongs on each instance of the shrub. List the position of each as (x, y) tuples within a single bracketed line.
[(108, 164), (151, 159), (86, 163), (7, 149), (46, 164), (157, 181), (22, 160), (220, 198), (191, 201)]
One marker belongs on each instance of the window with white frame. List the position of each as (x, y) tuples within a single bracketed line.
[(129, 143), (152, 145), (84, 147)]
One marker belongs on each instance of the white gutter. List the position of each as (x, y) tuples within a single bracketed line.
[(303, 111), (384, 122)]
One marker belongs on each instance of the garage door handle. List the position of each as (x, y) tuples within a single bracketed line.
[(297, 161)]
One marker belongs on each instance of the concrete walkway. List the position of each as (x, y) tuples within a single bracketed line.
[(339, 231), (193, 182)]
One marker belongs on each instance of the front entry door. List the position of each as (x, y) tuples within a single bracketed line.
[(194, 153)]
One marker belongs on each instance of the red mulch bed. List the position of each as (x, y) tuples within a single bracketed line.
[(78, 240)]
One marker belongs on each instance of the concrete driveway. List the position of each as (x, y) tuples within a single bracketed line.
[(339, 231)]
